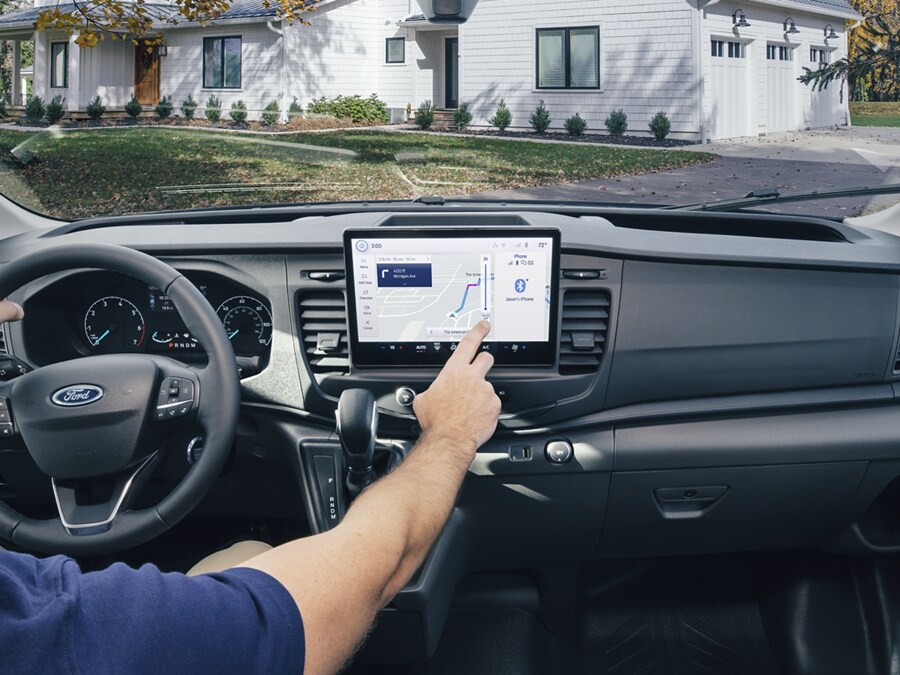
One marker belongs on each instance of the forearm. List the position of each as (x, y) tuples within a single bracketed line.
[(409, 508)]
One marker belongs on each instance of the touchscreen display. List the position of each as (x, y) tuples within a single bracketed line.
[(415, 293)]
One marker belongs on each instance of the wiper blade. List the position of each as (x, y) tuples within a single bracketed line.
[(772, 196)]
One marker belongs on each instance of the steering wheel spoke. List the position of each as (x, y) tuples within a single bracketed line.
[(91, 506)]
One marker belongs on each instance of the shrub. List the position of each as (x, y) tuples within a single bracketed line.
[(238, 112), (34, 110), (213, 110), (357, 108), (540, 118), (294, 109), (575, 125), (425, 115), (133, 107), (3, 112), (95, 109), (462, 117), (617, 123), (188, 107), (660, 126), (272, 112), (164, 108), (55, 109), (502, 118)]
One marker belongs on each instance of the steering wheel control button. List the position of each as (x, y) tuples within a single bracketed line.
[(405, 396), (558, 452), (176, 397), (520, 453), (502, 392), (11, 367)]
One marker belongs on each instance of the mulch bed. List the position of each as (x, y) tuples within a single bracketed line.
[(640, 141)]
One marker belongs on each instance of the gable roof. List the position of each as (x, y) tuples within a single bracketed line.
[(160, 12), (835, 8)]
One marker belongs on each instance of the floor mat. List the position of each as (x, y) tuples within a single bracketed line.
[(685, 640)]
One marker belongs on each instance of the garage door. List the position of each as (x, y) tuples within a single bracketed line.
[(781, 89), (824, 105), (729, 89)]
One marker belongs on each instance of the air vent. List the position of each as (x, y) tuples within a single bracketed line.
[(585, 324), (323, 330), (3, 349)]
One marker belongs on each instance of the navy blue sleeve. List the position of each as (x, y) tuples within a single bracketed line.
[(54, 618)]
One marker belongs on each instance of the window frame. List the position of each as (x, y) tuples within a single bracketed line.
[(567, 61), (65, 83), (223, 38), (387, 51)]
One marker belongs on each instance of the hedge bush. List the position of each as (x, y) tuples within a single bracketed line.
[(660, 126), (617, 123), (164, 108), (238, 112), (272, 113), (55, 109), (34, 110), (502, 118), (540, 118), (213, 110), (189, 107), (361, 110), (134, 108), (95, 109), (462, 117), (575, 125), (425, 115)]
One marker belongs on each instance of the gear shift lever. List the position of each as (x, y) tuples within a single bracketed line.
[(357, 424)]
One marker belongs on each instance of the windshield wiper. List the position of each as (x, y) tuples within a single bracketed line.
[(773, 196)]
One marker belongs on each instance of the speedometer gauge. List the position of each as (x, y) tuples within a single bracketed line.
[(248, 323), (114, 324)]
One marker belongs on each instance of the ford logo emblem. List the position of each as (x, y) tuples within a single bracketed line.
[(77, 394)]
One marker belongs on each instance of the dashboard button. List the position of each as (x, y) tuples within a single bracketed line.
[(559, 452), (7, 430), (405, 396), (519, 453), (502, 393)]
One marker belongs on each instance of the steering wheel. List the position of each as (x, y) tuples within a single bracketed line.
[(94, 424)]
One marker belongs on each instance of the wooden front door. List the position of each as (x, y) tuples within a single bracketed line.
[(146, 75)]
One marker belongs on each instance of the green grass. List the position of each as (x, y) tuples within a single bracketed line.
[(875, 114), (84, 173)]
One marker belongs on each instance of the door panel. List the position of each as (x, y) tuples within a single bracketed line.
[(451, 72), (146, 75)]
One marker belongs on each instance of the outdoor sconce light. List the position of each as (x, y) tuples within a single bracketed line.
[(829, 32), (790, 28), (447, 11), (739, 19), (163, 50)]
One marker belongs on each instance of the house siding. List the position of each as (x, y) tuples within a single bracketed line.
[(501, 64), (181, 70)]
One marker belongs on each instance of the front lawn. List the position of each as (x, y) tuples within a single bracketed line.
[(875, 114), (77, 174)]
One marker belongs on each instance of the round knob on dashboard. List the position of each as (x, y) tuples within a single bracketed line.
[(405, 396)]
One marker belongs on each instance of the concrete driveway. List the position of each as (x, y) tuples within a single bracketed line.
[(791, 162)]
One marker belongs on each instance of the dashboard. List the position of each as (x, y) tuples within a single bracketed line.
[(677, 383)]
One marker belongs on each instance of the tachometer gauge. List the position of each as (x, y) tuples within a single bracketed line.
[(114, 324), (248, 323)]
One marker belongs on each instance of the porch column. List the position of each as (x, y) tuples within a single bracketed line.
[(16, 84), (39, 81), (73, 98)]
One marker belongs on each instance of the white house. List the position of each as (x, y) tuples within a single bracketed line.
[(718, 68)]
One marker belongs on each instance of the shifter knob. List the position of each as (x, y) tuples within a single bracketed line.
[(357, 424)]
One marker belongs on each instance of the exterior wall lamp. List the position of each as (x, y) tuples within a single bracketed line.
[(790, 28), (739, 19), (163, 49), (829, 32)]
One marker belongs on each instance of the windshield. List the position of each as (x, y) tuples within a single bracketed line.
[(243, 103)]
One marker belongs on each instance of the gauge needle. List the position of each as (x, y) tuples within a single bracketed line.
[(97, 341), (231, 337)]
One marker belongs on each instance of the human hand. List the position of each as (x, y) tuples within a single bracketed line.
[(10, 311), (460, 404)]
